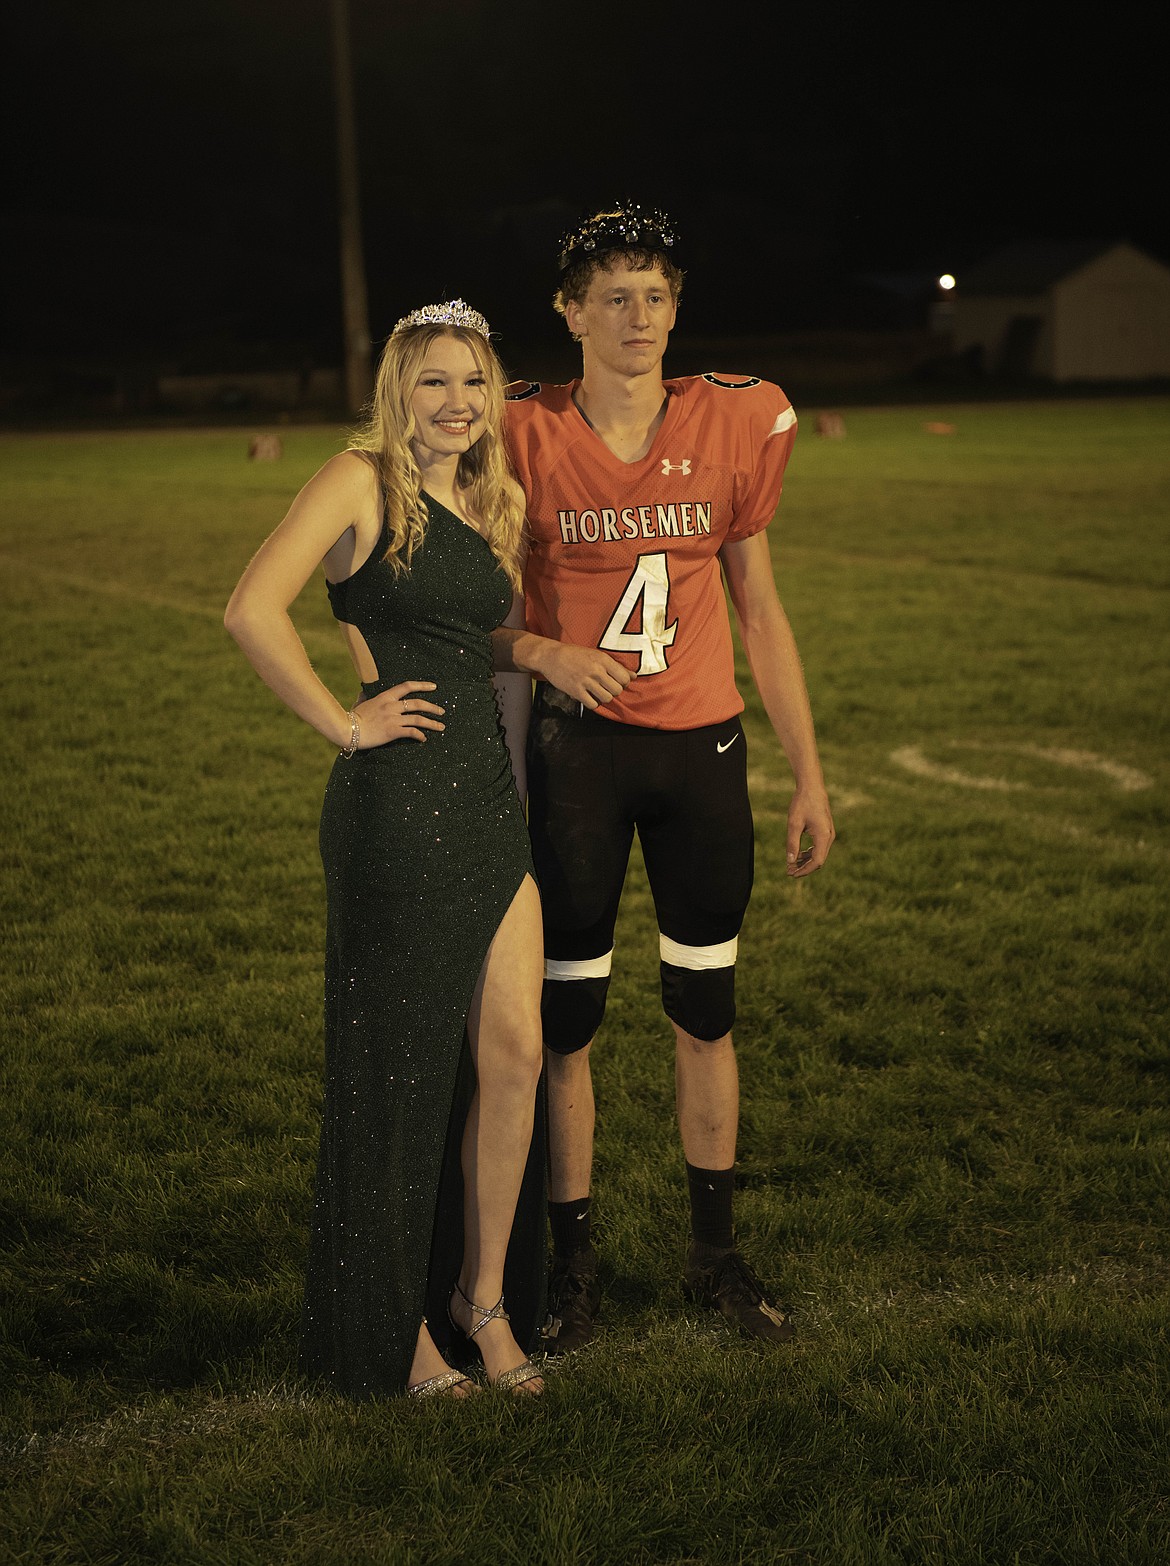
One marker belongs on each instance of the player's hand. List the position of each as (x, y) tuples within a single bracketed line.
[(809, 816), (398, 713), (586, 674)]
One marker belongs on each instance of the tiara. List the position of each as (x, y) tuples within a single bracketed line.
[(456, 312), (626, 227)]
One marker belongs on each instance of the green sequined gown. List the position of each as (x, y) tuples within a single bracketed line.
[(424, 847)]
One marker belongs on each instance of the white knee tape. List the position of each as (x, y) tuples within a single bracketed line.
[(721, 955), (581, 968)]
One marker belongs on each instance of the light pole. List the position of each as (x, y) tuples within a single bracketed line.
[(355, 309)]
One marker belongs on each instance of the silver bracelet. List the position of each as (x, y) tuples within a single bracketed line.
[(355, 735)]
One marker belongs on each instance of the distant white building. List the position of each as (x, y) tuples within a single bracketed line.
[(1087, 312)]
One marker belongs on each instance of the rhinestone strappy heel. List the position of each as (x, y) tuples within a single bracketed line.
[(446, 1381), (507, 1380)]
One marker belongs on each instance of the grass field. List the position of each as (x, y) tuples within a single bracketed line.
[(955, 1150)]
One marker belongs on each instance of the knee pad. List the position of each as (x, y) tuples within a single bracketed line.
[(698, 987), (572, 1003), (700, 1001)]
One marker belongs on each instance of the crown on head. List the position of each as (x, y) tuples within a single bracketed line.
[(455, 312), (626, 227)]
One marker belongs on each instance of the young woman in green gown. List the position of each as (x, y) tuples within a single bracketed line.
[(429, 1207)]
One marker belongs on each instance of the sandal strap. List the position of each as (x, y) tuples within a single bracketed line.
[(494, 1312), (443, 1382), (509, 1380)]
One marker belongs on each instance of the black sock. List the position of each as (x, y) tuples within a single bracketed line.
[(570, 1227), (711, 1207)]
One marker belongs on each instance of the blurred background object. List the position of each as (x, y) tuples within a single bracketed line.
[(185, 200)]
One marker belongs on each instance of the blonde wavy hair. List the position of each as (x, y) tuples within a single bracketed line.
[(484, 470)]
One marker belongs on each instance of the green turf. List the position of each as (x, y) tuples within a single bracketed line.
[(953, 1046)]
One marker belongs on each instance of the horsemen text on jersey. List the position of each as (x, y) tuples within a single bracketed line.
[(643, 522), (624, 556)]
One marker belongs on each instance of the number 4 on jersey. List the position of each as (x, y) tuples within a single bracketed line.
[(649, 586)]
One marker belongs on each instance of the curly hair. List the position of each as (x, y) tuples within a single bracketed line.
[(484, 470), (576, 281)]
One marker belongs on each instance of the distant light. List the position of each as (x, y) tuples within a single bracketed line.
[(946, 281)]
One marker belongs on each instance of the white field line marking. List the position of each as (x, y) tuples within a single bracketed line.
[(911, 758), (1128, 779), (136, 595), (1101, 842), (1115, 1282), (169, 1420), (840, 798), (802, 553), (107, 589)]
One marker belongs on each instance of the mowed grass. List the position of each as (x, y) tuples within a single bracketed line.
[(953, 1048)]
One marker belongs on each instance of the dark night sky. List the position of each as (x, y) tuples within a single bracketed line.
[(171, 183)]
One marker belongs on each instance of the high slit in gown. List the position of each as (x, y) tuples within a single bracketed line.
[(424, 846)]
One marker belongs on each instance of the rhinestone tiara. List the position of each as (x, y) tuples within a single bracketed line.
[(626, 227), (455, 312)]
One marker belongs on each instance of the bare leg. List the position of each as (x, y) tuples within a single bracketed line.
[(503, 1027), (570, 1124), (707, 1093)]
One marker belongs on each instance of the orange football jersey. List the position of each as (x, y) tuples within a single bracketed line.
[(624, 556)]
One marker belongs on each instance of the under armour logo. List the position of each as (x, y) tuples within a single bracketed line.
[(683, 467)]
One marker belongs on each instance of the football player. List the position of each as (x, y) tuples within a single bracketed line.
[(645, 497)]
